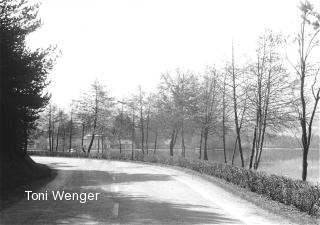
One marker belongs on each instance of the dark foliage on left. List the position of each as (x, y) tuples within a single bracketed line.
[(23, 75)]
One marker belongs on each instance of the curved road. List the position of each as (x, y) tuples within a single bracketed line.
[(130, 193)]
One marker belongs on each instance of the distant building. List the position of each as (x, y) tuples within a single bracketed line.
[(100, 142), (125, 144)]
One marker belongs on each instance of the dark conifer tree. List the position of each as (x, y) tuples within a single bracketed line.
[(23, 76)]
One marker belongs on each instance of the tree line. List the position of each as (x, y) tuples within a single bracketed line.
[(269, 94)]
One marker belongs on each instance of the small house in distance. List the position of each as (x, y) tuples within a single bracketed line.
[(125, 144), (100, 142)]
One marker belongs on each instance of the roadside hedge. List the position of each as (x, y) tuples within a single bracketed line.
[(303, 195)]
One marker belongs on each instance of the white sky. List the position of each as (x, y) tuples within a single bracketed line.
[(126, 43)]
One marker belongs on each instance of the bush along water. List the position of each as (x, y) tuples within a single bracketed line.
[(303, 195)]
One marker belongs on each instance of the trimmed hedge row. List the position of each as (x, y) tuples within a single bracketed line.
[(302, 195)]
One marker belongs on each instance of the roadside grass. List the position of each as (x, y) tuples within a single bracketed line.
[(305, 196)]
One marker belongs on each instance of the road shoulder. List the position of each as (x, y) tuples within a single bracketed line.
[(276, 209)]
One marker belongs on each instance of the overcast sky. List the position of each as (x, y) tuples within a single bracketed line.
[(126, 43)]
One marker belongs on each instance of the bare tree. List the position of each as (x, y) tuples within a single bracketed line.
[(132, 130), (180, 97), (226, 111), (51, 117), (168, 110), (71, 127), (224, 118), (157, 118), (141, 104), (95, 107), (235, 105), (209, 110), (61, 128), (308, 41), (148, 105), (268, 93)]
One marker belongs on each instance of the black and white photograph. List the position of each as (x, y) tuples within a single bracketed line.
[(181, 112)]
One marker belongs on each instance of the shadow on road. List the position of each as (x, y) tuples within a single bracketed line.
[(132, 208), (15, 194)]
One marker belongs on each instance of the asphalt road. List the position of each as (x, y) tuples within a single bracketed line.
[(130, 193)]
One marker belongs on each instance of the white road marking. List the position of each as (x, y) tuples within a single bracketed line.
[(113, 178), (115, 188), (115, 210)]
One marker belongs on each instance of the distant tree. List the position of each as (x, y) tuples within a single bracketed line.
[(52, 120), (157, 118), (121, 127), (226, 112), (132, 106), (234, 72), (141, 105), (23, 75), (179, 96), (83, 119), (94, 108), (168, 111), (209, 110), (269, 93), (309, 91), (62, 120), (148, 110), (71, 125)]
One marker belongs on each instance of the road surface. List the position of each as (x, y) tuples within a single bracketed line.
[(130, 193)]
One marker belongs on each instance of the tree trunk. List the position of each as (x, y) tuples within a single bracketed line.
[(266, 108), (201, 137), (155, 142), (91, 142), (120, 130), (52, 135), (234, 151), (183, 147), (82, 136), (57, 141), (102, 144), (224, 118), (172, 142), (70, 135), (262, 141), (224, 138), (98, 144), (205, 153), (49, 140), (120, 144), (147, 134), (235, 108), (253, 149), (49, 130), (142, 131), (93, 134), (305, 164), (64, 138), (132, 134)]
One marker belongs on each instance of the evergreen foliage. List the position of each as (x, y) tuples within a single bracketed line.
[(23, 75)]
